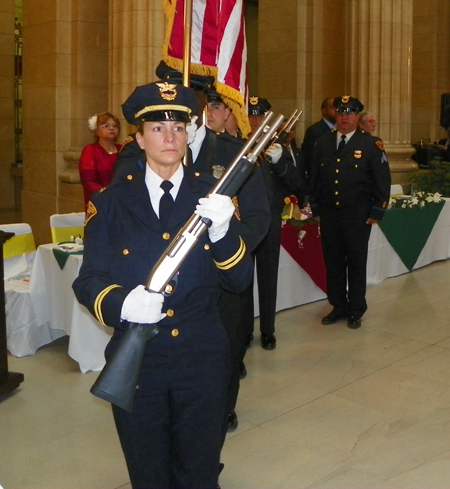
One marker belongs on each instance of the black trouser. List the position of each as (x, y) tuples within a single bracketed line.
[(173, 437), (345, 241), (267, 258)]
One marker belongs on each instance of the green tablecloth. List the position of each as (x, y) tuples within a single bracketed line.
[(62, 256), (408, 230)]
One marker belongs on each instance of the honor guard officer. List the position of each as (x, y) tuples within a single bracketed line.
[(282, 178), (349, 189), (212, 152), (173, 437)]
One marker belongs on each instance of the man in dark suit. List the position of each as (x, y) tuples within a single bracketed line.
[(173, 436), (349, 189), (317, 130)]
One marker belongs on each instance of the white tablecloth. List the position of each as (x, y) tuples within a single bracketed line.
[(55, 301)]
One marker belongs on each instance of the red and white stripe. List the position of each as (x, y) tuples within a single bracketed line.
[(218, 48)]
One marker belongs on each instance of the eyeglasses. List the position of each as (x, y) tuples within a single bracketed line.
[(109, 126)]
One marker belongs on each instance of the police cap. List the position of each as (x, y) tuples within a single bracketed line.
[(258, 106), (197, 82), (212, 97), (160, 101), (347, 104)]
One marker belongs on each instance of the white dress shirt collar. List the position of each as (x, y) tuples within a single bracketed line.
[(153, 182)]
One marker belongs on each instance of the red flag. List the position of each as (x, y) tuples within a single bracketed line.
[(218, 49)]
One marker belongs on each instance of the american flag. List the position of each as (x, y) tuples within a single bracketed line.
[(218, 49)]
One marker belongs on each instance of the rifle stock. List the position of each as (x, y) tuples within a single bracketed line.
[(118, 380)]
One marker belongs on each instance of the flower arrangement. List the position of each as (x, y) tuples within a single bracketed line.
[(419, 199), (92, 123), (296, 217), (78, 239)]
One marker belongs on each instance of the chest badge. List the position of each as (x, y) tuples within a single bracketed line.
[(357, 154), (218, 171)]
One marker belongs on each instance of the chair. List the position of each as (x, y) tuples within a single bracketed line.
[(18, 251), (396, 191), (63, 226), (24, 334)]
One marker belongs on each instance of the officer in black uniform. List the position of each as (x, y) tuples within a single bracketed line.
[(349, 190), (282, 178), (173, 437), (211, 152)]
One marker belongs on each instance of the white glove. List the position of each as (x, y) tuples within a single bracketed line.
[(218, 208), (141, 306), (191, 129), (274, 152)]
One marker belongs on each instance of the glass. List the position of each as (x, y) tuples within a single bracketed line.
[(109, 126)]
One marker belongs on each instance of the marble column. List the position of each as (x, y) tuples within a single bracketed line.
[(379, 58), (6, 103), (136, 38)]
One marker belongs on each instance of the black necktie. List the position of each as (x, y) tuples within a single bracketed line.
[(341, 143), (166, 201)]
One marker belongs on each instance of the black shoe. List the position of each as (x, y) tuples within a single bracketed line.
[(232, 421), (354, 322), (243, 373), (248, 341), (268, 341), (333, 317)]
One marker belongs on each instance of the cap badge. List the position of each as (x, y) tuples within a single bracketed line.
[(357, 154), (254, 100), (168, 91), (345, 99)]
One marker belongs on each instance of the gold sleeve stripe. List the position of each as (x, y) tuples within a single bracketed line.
[(235, 259), (99, 300)]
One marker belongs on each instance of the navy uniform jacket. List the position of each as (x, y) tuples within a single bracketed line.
[(359, 177), (124, 239), (217, 149), (312, 134)]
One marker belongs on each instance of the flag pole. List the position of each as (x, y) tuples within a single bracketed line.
[(187, 56), (187, 41)]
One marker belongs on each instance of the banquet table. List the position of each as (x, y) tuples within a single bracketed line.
[(301, 279), (296, 286), (54, 301)]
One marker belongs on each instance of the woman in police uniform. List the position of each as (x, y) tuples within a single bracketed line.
[(172, 439)]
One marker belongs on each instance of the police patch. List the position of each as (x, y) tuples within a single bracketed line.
[(129, 139), (379, 144), (237, 211), (91, 211)]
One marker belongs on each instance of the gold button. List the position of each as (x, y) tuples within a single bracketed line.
[(337, 203), (337, 170), (197, 174), (338, 160), (336, 193), (336, 182), (126, 252), (356, 166), (175, 333), (129, 177), (170, 313), (206, 246), (166, 236), (168, 289)]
